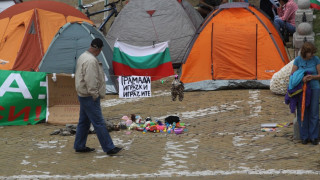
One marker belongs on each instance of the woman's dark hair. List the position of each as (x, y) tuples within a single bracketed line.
[(307, 47), (285, 1)]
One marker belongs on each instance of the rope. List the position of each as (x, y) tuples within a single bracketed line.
[(154, 28)]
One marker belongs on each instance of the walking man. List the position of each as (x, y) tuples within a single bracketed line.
[(90, 87)]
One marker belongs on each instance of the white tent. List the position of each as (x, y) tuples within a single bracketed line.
[(4, 4), (147, 22)]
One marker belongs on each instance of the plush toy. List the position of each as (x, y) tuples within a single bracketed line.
[(177, 89), (125, 118), (128, 121), (139, 120), (147, 123), (133, 117), (159, 122), (133, 126), (160, 128), (148, 119)]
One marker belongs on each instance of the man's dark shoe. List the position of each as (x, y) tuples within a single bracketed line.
[(114, 151), (85, 150), (314, 141), (304, 141)]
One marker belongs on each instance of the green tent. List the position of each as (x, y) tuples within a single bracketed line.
[(69, 43)]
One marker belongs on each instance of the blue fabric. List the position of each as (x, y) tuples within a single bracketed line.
[(280, 25), (90, 112), (310, 66), (296, 78), (309, 128)]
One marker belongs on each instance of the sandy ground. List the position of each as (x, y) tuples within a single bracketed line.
[(223, 141)]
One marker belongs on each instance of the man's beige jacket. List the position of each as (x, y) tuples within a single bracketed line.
[(90, 77)]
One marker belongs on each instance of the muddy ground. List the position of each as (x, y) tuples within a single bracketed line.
[(224, 141)]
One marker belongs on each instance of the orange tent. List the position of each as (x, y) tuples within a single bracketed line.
[(27, 29), (236, 43)]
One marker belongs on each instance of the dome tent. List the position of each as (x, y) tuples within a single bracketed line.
[(69, 43), (26, 30), (148, 22), (237, 46)]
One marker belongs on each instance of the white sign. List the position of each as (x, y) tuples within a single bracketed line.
[(134, 86)]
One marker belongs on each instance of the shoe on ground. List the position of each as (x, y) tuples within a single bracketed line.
[(314, 141), (114, 151), (304, 141), (85, 150)]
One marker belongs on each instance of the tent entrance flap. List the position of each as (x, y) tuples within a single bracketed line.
[(234, 53)]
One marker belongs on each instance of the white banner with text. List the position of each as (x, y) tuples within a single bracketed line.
[(134, 86)]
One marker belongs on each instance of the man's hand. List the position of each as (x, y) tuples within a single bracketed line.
[(95, 97)]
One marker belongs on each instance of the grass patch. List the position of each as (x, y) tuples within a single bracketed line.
[(316, 30)]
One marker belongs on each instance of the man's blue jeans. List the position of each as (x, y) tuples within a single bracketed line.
[(310, 125), (90, 112), (280, 25)]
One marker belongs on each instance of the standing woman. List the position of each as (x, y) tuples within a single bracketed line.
[(309, 127)]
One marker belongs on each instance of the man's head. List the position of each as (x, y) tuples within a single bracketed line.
[(96, 46)]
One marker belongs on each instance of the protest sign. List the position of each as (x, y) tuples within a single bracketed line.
[(22, 97), (134, 86)]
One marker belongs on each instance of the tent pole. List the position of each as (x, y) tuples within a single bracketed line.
[(212, 52), (256, 51)]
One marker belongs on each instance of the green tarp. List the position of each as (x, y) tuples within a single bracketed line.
[(23, 98)]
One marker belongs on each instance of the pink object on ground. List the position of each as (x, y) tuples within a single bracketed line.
[(160, 127)]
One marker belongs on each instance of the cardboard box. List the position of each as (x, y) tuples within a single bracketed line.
[(63, 104)]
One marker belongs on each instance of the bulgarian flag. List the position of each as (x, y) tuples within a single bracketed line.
[(315, 4), (154, 61)]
